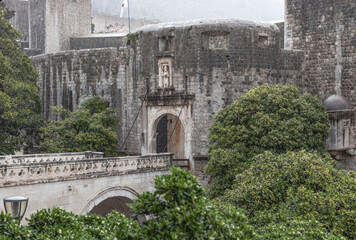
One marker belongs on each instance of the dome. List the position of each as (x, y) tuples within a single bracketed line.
[(337, 103)]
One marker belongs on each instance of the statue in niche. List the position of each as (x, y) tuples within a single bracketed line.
[(165, 79), (166, 75)]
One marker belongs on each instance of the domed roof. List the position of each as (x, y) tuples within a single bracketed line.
[(337, 103)]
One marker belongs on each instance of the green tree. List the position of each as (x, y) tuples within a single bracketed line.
[(180, 210), (270, 117), (91, 127), (297, 186), (20, 104)]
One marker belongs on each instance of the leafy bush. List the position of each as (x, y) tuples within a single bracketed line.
[(299, 186), (91, 127), (180, 210), (297, 230), (59, 224), (270, 117), (10, 229)]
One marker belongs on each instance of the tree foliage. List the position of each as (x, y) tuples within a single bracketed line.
[(181, 210), (20, 105), (59, 224), (297, 186), (91, 127), (270, 117), (296, 230)]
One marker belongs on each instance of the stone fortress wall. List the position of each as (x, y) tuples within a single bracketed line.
[(212, 62), (190, 70), (47, 25), (68, 78), (326, 31), (21, 18)]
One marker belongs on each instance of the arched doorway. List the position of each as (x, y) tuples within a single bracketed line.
[(170, 136), (113, 203)]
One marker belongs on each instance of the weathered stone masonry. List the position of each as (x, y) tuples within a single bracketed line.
[(183, 73), (213, 62), (68, 78), (188, 70), (326, 31)]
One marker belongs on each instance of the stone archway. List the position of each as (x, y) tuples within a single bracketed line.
[(113, 203), (169, 136), (110, 199)]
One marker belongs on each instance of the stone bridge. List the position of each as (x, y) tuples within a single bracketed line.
[(80, 182)]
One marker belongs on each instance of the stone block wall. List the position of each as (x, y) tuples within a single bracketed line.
[(65, 19), (190, 70), (21, 19), (214, 61), (68, 78), (53, 22), (97, 41), (325, 30), (37, 28)]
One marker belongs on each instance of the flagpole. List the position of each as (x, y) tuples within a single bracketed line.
[(128, 10)]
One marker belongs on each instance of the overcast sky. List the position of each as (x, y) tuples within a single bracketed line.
[(175, 10)]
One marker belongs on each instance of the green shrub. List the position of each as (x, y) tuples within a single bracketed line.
[(91, 127), (297, 230), (297, 186), (181, 210), (270, 117), (59, 224), (10, 228)]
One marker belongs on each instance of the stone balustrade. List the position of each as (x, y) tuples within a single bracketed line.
[(25, 171), (49, 157)]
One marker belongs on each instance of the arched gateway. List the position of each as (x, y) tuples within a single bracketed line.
[(170, 135)]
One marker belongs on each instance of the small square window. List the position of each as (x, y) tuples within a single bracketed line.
[(263, 41), (218, 41), (165, 43)]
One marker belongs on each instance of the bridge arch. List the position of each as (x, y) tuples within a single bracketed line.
[(114, 198)]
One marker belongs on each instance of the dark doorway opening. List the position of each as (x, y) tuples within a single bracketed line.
[(162, 136), (170, 136)]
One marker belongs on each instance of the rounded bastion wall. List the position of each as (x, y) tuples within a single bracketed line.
[(211, 61)]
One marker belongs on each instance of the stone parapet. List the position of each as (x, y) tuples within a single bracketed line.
[(49, 157), (27, 173)]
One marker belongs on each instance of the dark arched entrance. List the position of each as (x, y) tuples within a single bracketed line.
[(162, 136), (170, 136), (113, 203)]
